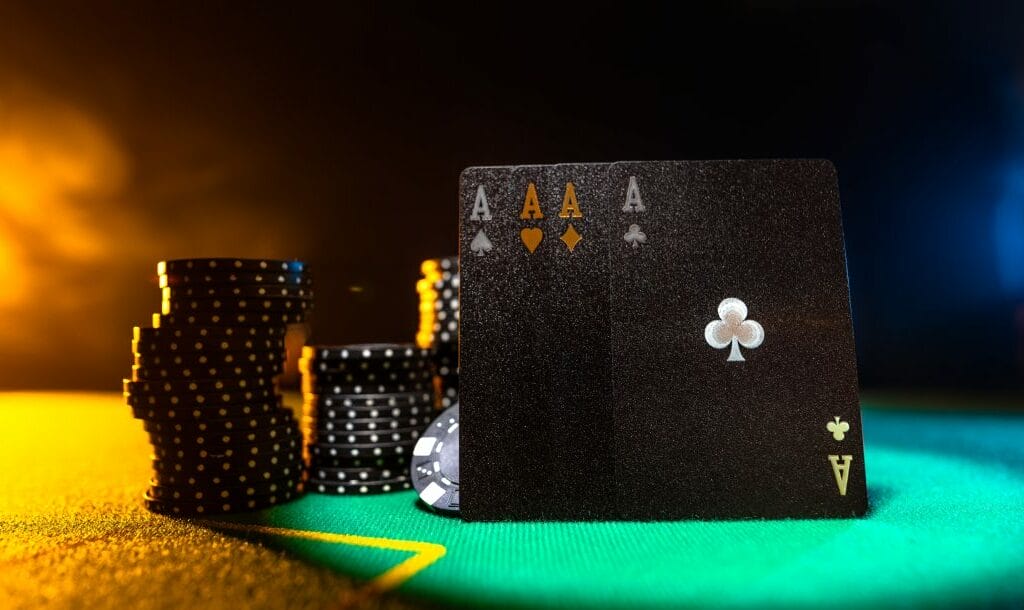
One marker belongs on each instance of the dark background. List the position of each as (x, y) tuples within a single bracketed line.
[(133, 134)]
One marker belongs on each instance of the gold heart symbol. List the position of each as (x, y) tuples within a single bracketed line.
[(531, 237)]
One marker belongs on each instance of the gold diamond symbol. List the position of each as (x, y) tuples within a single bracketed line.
[(571, 237)]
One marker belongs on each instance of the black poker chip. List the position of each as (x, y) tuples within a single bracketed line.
[(205, 412), (223, 318), (179, 359), (396, 435), (208, 346), (188, 387), (312, 386), (213, 291), (207, 333), (205, 372), (214, 478), (167, 420), (231, 305), (389, 462), (379, 366), (341, 414), (365, 351), (202, 400), (225, 278), (189, 453), (396, 399), (435, 464), (216, 506), (366, 473), (190, 265), (287, 457), (358, 450), (190, 436), (358, 488), (200, 493), (363, 424), (390, 378)]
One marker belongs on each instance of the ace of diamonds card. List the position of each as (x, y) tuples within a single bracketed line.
[(656, 340)]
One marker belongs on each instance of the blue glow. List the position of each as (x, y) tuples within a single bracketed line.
[(1008, 231)]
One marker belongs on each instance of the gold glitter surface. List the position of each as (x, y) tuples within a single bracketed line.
[(74, 533)]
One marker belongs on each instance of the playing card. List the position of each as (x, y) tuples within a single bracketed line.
[(656, 340), (732, 419)]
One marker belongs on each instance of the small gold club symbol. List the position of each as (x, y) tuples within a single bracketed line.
[(838, 428), (571, 238)]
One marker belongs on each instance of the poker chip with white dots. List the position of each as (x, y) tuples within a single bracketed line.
[(204, 384), (358, 488)]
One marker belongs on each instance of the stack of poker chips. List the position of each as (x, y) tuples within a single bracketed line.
[(204, 383), (364, 407), (439, 323)]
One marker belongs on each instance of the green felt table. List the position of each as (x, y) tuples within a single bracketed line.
[(945, 529)]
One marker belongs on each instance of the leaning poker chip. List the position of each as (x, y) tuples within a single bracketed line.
[(207, 333), (199, 493), (435, 464), (231, 265), (156, 359), (185, 387), (234, 305), (223, 318), (166, 420), (357, 488), (216, 506), (192, 453), (397, 435), (227, 278), (208, 346), (358, 450), (362, 425), (213, 291), (199, 438), (364, 351)]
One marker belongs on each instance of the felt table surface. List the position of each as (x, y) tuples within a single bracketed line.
[(945, 529)]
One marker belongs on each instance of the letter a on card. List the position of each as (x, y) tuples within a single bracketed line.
[(481, 211), (531, 205)]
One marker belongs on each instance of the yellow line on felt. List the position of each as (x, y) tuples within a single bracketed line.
[(425, 553)]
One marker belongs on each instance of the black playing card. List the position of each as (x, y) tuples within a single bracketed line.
[(670, 340)]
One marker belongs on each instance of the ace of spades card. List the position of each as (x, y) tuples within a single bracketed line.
[(657, 340)]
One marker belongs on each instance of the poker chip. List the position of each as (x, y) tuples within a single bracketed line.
[(204, 385), (218, 318), (367, 473), (342, 450), (390, 379), (358, 488), (227, 278), (366, 424), (365, 351), (435, 464), (234, 305), (201, 359), (214, 333), (395, 399), (186, 387), (215, 506), (317, 366), (188, 265), (439, 323), (213, 345), (204, 372), (208, 491), (340, 414), (202, 413), (395, 435), (309, 385), (390, 462), (191, 436)]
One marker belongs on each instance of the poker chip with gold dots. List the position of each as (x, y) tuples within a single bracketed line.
[(204, 384)]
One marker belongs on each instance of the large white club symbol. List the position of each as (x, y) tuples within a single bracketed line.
[(733, 329)]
